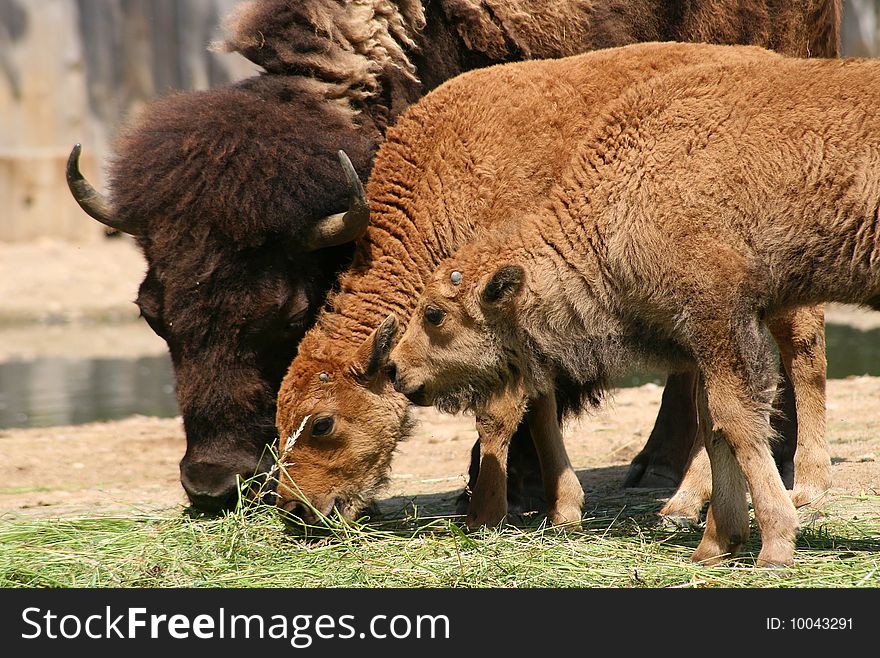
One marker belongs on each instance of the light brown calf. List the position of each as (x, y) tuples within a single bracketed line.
[(703, 204), (479, 150)]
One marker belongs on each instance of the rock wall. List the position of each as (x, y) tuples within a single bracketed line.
[(73, 71)]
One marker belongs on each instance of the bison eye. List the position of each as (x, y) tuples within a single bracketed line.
[(295, 326), (434, 315), (322, 426)]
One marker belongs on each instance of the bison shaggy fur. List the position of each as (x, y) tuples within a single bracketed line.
[(701, 204)]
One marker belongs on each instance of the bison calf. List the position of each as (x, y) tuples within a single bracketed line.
[(702, 205), (484, 147)]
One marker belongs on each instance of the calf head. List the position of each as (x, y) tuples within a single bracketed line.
[(457, 349), (237, 200), (339, 420)]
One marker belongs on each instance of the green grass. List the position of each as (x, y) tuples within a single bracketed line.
[(252, 548)]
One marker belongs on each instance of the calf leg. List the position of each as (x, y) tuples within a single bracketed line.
[(745, 432), (565, 496), (684, 508), (496, 423), (525, 490), (736, 368), (727, 521), (801, 339), (670, 451)]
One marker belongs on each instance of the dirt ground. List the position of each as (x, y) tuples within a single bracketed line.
[(131, 465)]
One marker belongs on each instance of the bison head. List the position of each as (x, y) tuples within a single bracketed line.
[(236, 197), (339, 421), (454, 354)]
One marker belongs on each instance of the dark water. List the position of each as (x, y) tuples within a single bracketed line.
[(61, 391), (850, 351)]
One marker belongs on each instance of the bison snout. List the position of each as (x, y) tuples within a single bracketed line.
[(414, 391), (311, 514), (212, 486)]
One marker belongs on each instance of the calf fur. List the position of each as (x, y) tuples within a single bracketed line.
[(703, 204), (479, 150)]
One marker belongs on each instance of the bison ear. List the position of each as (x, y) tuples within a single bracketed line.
[(373, 354), (503, 285)]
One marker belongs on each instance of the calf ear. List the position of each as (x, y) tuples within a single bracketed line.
[(373, 354), (503, 285)]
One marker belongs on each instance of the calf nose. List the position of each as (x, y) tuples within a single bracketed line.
[(298, 511), (210, 487), (417, 397), (403, 385)]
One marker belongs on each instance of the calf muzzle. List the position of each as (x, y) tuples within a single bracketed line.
[(415, 393)]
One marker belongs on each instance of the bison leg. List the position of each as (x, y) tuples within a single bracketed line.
[(565, 496), (496, 424), (738, 374), (727, 520), (801, 339), (665, 456), (525, 489)]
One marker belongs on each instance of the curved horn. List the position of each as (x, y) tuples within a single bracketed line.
[(88, 198), (345, 226)]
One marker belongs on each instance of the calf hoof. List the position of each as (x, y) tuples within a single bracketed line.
[(566, 518), (808, 515), (520, 501), (477, 521), (486, 514), (775, 557), (807, 495), (713, 549), (684, 505), (708, 557), (677, 522)]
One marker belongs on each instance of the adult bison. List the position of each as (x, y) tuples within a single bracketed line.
[(237, 200)]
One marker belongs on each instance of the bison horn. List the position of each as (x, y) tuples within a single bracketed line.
[(88, 198), (345, 226)]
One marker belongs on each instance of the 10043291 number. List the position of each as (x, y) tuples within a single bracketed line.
[(810, 624), (821, 623)]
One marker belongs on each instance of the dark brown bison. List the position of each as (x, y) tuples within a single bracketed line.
[(236, 197), (227, 191), (702, 203)]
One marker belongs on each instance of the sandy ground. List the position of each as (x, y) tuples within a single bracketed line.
[(50, 281), (80, 297), (131, 465)]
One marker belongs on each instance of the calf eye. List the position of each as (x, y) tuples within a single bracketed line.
[(434, 315), (322, 426)]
